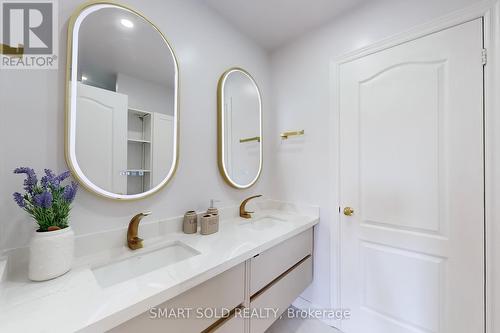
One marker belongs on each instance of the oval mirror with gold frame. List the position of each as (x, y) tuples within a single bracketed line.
[(239, 128), (122, 112)]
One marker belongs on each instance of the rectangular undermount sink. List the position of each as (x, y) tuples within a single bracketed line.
[(142, 263), (262, 223)]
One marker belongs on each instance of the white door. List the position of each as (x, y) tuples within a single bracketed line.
[(411, 154), (101, 137)]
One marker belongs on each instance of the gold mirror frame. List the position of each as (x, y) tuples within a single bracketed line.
[(70, 119), (220, 129)]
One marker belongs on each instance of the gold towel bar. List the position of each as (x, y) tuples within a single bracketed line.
[(285, 135), (255, 138)]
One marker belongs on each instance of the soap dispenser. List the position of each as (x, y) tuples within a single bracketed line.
[(210, 221)]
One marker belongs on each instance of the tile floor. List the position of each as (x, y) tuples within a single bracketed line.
[(296, 325)]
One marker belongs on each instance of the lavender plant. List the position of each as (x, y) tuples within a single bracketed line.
[(47, 201)]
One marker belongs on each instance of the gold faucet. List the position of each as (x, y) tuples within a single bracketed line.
[(133, 241), (243, 213)]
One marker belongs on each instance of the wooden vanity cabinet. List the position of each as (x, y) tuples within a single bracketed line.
[(225, 291), (270, 264), (281, 293), (271, 279)]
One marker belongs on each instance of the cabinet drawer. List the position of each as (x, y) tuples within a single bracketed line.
[(280, 294), (272, 263), (233, 324), (225, 291)]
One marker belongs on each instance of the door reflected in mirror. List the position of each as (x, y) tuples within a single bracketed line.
[(240, 128), (122, 113)]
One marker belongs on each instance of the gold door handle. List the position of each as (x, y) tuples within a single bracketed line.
[(348, 211)]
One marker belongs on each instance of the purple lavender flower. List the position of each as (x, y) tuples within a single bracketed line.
[(51, 180), (63, 176), (43, 200), (49, 201), (70, 192), (48, 179), (31, 181), (18, 198)]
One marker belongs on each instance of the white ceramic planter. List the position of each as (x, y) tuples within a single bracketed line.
[(51, 254)]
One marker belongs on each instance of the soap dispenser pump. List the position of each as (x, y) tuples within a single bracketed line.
[(212, 209)]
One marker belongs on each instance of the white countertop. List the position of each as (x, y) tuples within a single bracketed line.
[(76, 302)]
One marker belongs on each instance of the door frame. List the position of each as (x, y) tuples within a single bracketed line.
[(489, 11)]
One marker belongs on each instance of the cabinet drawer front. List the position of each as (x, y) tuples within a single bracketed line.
[(281, 294), (231, 325), (223, 292), (275, 261)]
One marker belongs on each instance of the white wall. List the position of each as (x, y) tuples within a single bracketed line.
[(304, 170), (32, 122)]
